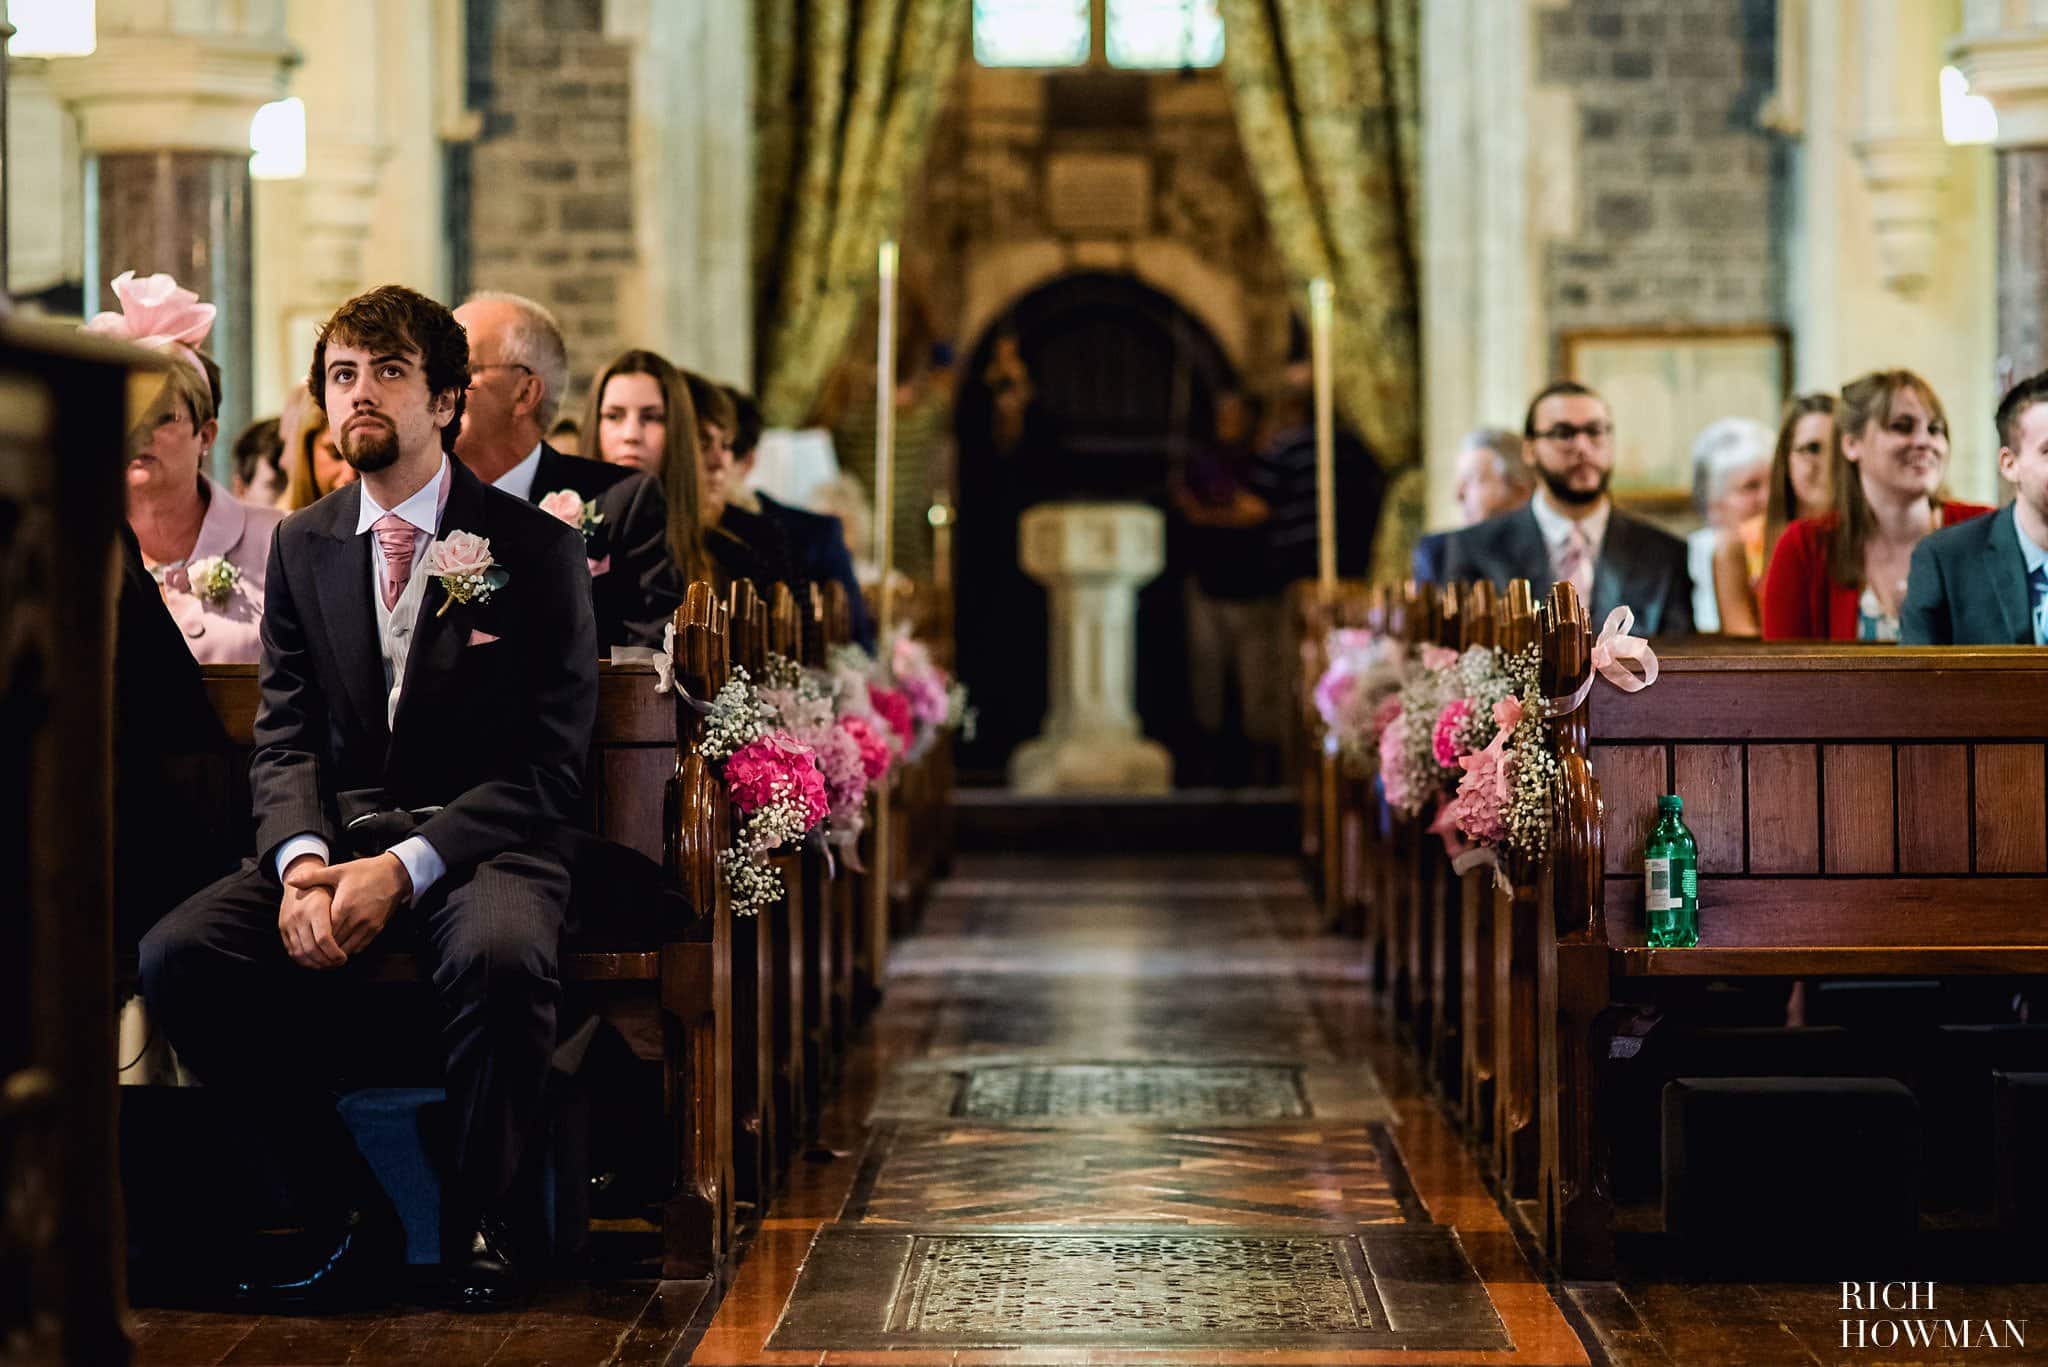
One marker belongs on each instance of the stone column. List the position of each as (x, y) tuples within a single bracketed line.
[(1092, 558), (163, 107), (1898, 138), (2003, 50)]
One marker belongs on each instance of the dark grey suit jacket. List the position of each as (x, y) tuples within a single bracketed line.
[(1429, 557), (1639, 565), (1968, 587)]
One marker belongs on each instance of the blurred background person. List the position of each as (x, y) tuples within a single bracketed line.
[(639, 414), (1797, 487), (1491, 479), (259, 464), (1731, 466)]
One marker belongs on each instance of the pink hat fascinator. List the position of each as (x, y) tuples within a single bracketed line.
[(157, 314)]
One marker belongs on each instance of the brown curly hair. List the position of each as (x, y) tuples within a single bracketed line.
[(392, 318)]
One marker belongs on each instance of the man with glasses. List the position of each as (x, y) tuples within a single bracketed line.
[(1571, 530), (518, 371)]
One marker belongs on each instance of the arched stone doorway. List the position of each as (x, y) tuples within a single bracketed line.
[(1123, 381)]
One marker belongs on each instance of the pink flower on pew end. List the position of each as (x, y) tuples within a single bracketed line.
[(776, 768), (892, 707), (874, 751), (1334, 690), (926, 694), (844, 769), (1507, 713), (1385, 715), (1438, 657), (1393, 774), (1487, 787), (1449, 820), (1444, 739)]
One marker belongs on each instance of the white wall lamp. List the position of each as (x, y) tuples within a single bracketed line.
[(51, 28), (277, 140)]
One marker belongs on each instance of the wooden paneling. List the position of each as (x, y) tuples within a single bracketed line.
[(2012, 825), (1709, 778), (630, 781), (1833, 693), (1857, 783), (1934, 808), (1888, 912), (1784, 809), (1631, 780)]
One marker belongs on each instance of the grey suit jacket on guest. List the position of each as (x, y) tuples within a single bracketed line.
[(1639, 565), (1968, 587)]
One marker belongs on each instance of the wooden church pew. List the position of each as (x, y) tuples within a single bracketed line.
[(755, 941), (1865, 812)]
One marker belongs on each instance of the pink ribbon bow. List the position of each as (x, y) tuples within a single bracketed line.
[(157, 314), (1614, 653)]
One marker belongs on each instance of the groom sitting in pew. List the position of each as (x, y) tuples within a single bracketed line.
[(428, 690)]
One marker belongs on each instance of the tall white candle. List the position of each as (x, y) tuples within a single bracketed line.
[(1319, 303)]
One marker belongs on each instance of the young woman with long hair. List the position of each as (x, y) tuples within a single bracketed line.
[(640, 415)]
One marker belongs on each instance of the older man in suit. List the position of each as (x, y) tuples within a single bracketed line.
[(1571, 530), (428, 689), (518, 370), (1491, 480), (1985, 581)]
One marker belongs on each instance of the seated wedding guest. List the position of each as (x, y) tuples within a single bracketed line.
[(741, 544), (1797, 487), (313, 468), (1491, 480), (518, 370), (1571, 529), (259, 464), (206, 549), (1985, 581), (640, 416), (419, 743), (1842, 576), (1731, 466), (816, 541)]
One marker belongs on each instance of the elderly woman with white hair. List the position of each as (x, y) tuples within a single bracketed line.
[(1731, 467)]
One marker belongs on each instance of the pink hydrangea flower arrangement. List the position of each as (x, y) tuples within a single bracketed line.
[(894, 709), (872, 749), (777, 769), (1444, 738)]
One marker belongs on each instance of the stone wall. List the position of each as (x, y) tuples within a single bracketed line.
[(551, 184), (1681, 198)]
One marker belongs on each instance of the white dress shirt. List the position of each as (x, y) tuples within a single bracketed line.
[(518, 481), (423, 863)]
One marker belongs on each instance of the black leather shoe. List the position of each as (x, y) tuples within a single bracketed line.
[(487, 1275), (356, 1268)]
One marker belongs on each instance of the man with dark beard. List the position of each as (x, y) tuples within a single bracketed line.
[(428, 688), (1571, 530)]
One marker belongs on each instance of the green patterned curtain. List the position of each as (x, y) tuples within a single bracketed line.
[(1326, 98), (847, 91)]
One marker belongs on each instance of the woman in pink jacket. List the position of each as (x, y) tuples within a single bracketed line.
[(206, 548)]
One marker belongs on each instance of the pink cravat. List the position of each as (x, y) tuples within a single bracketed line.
[(395, 539), (1575, 564)]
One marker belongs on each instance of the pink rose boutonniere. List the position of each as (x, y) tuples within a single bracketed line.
[(574, 509), (462, 562)]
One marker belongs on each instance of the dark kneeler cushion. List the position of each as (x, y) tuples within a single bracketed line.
[(1783, 1171), (2020, 1124), (1955, 1084)]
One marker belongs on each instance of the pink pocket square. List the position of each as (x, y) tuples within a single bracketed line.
[(480, 638), (598, 567)]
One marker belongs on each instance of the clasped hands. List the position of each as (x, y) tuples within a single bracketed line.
[(331, 911)]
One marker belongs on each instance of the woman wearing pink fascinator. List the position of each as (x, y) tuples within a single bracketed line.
[(206, 549)]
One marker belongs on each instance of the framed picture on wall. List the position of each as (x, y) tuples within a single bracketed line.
[(1663, 386)]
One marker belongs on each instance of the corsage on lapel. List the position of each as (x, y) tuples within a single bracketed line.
[(462, 562), (580, 513), (212, 580)]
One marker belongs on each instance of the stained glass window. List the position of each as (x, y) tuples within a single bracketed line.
[(1163, 33), (1031, 32)]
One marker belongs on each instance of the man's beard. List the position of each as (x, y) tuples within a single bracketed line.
[(1561, 489), (369, 452)]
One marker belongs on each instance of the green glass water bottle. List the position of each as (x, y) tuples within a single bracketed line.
[(1671, 879)]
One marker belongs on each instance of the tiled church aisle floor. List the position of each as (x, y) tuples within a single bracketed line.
[(1132, 1110)]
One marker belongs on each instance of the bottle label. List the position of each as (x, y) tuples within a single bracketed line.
[(1689, 884), (1658, 894)]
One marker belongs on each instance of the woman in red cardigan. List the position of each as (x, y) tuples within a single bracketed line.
[(1842, 576)]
